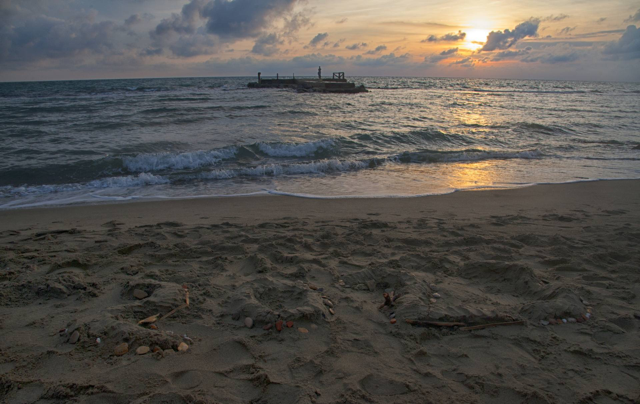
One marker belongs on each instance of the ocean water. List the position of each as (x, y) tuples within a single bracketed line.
[(116, 140)]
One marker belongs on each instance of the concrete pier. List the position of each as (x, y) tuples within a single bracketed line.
[(332, 85)]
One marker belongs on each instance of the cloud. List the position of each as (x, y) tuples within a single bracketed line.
[(377, 50), (467, 62), (435, 59), (627, 47), (601, 20), (296, 22), (505, 40), (556, 18), (449, 52), (267, 45), (133, 20), (634, 18), (553, 55), (384, 60), (450, 37), (194, 45), (566, 30), (510, 55), (356, 46), (342, 21), (235, 19), (317, 39), (250, 65)]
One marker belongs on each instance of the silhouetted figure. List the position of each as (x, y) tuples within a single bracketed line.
[(319, 73)]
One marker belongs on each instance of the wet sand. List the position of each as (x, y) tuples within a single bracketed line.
[(534, 254)]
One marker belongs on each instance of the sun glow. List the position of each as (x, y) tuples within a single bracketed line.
[(475, 38)]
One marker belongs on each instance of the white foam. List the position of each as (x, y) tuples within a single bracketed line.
[(315, 167), (189, 160), (295, 149)]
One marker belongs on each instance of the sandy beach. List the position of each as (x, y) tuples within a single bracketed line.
[(76, 280)]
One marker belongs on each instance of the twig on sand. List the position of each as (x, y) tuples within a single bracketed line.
[(434, 323), (483, 326), (179, 307)]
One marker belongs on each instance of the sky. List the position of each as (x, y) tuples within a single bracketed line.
[(542, 39)]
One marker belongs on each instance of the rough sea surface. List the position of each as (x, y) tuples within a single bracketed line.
[(100, 140)]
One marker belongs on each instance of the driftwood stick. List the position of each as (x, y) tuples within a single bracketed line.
[(179, 307), (483, 326), (434, 323)]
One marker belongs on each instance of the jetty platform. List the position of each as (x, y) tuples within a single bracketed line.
[(336, 84)]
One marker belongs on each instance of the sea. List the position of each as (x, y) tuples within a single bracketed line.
[(106, 141)]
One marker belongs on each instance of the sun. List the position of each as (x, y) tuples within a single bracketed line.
[(475, 38)]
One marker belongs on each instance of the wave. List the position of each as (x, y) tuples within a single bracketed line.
[(143, 179), (433, 156), (295, 149), (177, 161), (274, 170)]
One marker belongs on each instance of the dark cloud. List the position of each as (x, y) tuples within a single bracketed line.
[(267, 45), (566, 30), (235, 19), (133, 20), (467, 62), (553, 55), (601, 20), (510, 54), (556, 18), (194, 45), (295, 23), (450, 37), (504, 40), (357, 46), (342, 21), (449, 52), (627, 47), (317, 39), (339, 43), (377, 50), (634, 18), (384, 60)]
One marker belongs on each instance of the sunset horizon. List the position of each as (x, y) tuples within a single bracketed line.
[(85, 39)]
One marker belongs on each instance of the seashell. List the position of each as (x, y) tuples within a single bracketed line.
[(564, 320), (183, 347), (248, 322), (267, 327), (303, 330), (393, 321), (98, 340), (75, 336), (332, 312), (289, 324), (432, 301), (437, 295), (327, 303), (544, 322), (149, 320), (588, 315), (142, 350), (121, 349)]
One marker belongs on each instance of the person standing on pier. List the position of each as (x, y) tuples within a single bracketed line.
[(319, 73)]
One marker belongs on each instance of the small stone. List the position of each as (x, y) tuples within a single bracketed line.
[(393, 321), (139, 294), (289, 324), (544, 322), (584, 301), (589, 310), (327, 303), (571, 320), (279, 325), (183, 347), (553, 321), (636, 315), (142, 350), (314, 327), (320, 289), (121, 349), (564, 320), (332, 312), (248, 322), (98, 340), (156, 349), (371, 284), (432, 301), (433, 287), (313, 287), (580, 320), (75, 336), (153, 327), (437, 295), (303, 330), (392, 315), (168, 352), (267, 327), (588, 315), (341, 282), (559, 321)]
